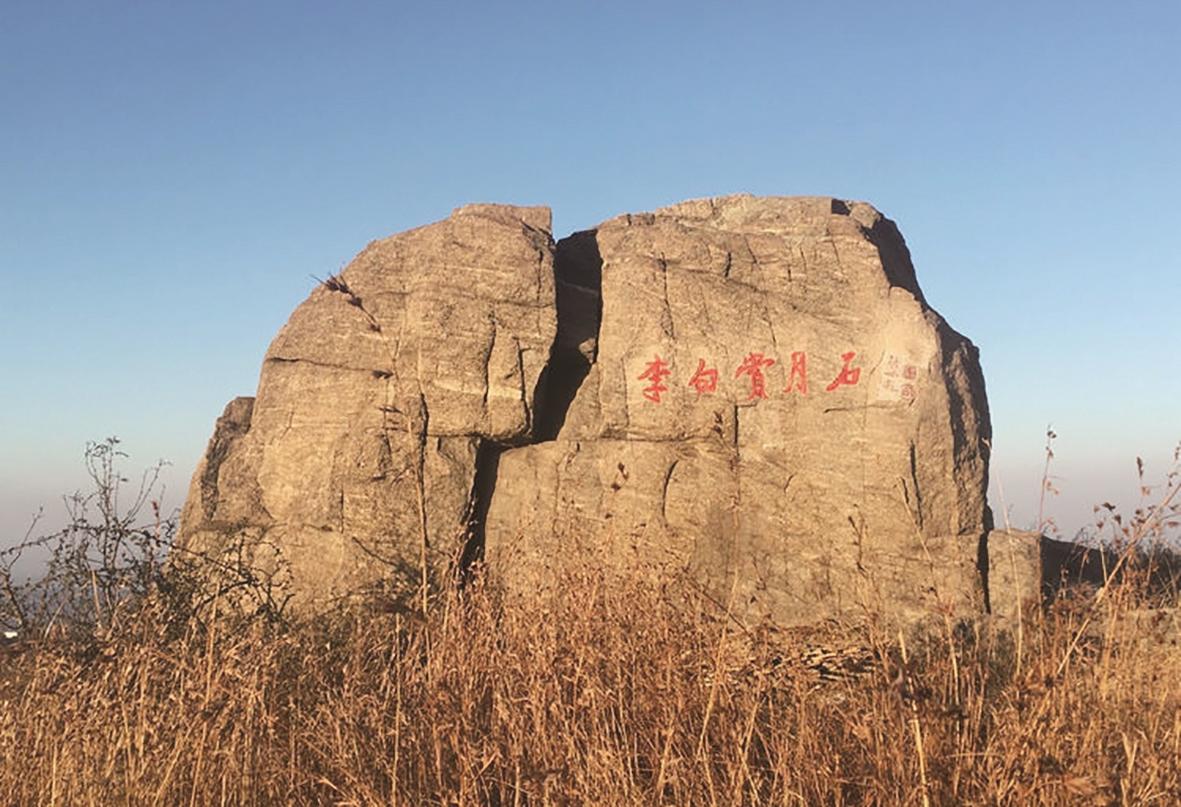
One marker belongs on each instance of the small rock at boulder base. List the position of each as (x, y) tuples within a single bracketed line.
[(357, 458), (769, 407), (748, 393), (1017, 584)]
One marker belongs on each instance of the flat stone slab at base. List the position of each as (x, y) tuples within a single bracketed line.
[(1016, 577)]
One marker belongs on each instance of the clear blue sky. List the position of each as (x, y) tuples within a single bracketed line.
[(172, 174)]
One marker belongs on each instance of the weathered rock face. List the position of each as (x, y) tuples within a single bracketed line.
[(770, 406), (748, 391), (358, 457)]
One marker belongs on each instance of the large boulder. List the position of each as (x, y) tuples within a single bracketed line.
[(766, 405), (749, 393), (357, 459)]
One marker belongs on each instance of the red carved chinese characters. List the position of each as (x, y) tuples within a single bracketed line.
[(753, 366), (909, 373), (797, 376), (705, 381), (848, 376), (655, 373), (897, 379)]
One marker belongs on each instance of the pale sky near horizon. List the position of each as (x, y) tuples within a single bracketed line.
[(172, 175)]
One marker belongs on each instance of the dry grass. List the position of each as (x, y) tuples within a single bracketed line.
[(142, 691), (603, 695)]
